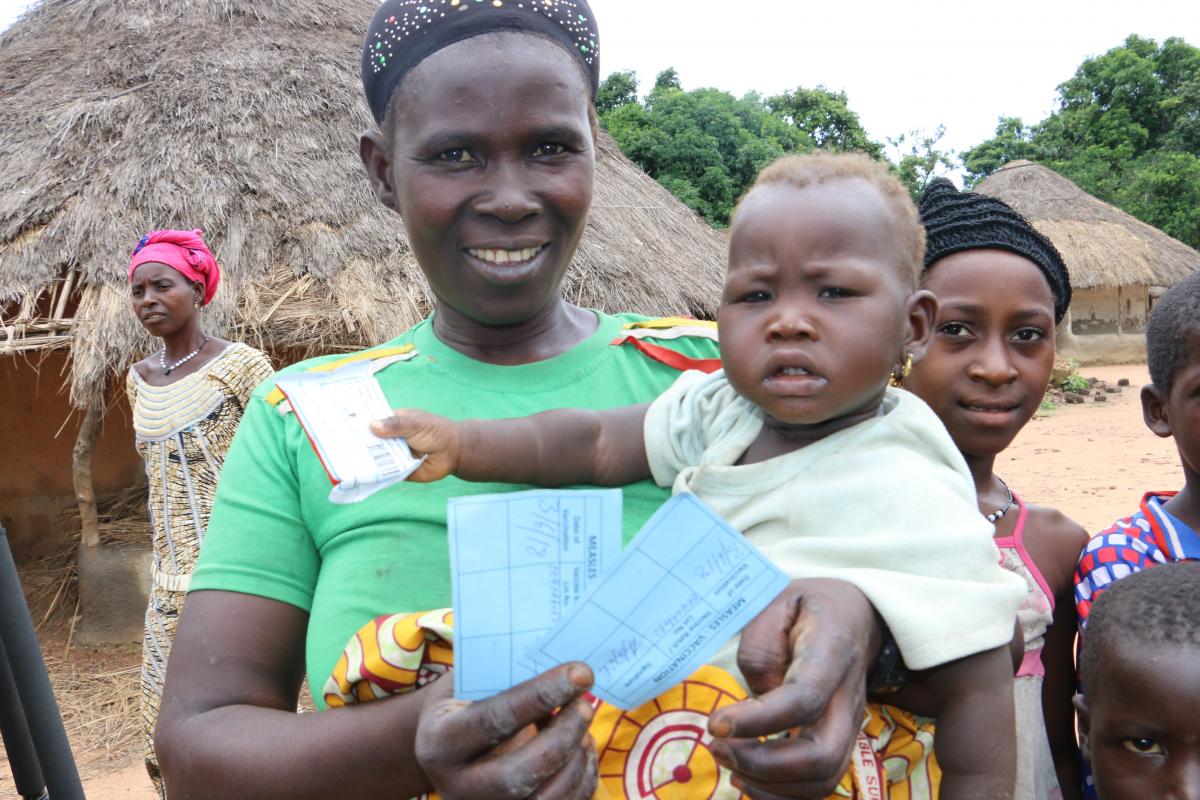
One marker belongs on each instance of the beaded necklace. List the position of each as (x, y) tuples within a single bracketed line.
[(162, 359), (996, 515)]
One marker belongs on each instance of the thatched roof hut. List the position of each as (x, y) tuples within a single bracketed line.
[(240, 117), (1102, 245)]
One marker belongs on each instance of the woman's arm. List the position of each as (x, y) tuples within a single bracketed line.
[(228, 725), (805, 658), (554, 448)]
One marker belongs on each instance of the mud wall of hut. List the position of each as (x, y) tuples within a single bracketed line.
[(37, 498), (1109, 309)]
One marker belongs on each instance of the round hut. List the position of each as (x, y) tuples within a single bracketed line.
[(1119, 265), (239, 117)]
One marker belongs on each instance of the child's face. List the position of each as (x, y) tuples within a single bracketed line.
[(1178, 414), (815, 310), (1141, 727), (989, 362)]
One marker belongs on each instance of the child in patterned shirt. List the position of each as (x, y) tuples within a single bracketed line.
[(1166, 526)]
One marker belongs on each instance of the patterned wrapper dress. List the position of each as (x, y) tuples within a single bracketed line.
[(183, 431)]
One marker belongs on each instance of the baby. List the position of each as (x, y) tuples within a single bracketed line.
[(1138, 728), (800, 443)]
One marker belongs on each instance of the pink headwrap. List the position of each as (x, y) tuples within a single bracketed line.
[(183, 251)]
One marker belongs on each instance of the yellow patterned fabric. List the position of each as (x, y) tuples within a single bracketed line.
[(660, 750), (183, 431), (392, 655)]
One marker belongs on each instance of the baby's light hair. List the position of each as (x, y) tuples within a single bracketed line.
[(825, 167)]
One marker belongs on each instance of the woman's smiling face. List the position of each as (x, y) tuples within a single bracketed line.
[(989, 362), (490, 163)]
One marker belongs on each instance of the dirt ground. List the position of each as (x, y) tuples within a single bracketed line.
[(1092, 461)]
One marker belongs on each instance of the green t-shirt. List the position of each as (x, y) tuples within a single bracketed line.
[(274, 533)]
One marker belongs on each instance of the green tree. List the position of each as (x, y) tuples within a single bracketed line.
[(1013, 140), (919, 159), (826, 117), (618, 89), (668, 79), (705, 145), (1126, 129)]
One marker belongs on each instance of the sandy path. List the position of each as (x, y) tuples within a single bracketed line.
[(130, 783), (1092, 461)]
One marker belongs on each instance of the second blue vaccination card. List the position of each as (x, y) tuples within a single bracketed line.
[(684, 586)]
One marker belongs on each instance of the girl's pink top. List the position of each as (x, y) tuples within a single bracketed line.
[(1037, 611)]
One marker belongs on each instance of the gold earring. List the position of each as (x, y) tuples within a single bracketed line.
[(896, 381)]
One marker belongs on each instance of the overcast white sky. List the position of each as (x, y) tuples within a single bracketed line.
[(911, 64)]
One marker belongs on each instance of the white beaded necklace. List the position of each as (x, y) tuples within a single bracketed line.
[(996, 515), (162, 357)]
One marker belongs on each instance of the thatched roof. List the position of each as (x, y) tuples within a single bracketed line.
[(1102, 245), (241, 117)]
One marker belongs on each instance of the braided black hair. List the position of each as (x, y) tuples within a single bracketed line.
[(1159, 605), (956, 221), (1173, 324)]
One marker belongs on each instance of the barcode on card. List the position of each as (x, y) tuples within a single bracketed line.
[(385, 462)]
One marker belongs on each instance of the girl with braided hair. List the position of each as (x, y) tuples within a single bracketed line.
[(1002, 290)]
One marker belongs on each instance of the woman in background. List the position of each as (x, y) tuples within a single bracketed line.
[(187, 399)]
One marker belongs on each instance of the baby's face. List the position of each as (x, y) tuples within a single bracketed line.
[(1142, 724), (814, 313)]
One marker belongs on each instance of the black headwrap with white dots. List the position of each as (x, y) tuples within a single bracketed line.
[(956, 221), (404, 33)]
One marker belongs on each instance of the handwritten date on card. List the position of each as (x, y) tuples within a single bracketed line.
[(518, 562), (683, 587)]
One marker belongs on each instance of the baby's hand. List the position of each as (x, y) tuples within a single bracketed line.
[(436, 438)]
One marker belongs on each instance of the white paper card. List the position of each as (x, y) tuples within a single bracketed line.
[(336, 409)]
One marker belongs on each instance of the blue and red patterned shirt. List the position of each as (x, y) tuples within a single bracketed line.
[(1151, 536)]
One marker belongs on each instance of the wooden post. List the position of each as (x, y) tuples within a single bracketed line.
[(1120, 310), (81, 469), (69, 284)]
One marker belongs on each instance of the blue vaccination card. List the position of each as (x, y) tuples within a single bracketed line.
[(518, 561), (682, 588)]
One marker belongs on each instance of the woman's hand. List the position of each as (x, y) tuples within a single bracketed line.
[(489, 749), (805, 657), (436, 438)]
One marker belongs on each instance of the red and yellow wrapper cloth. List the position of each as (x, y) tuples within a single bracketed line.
[(660, 750)]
